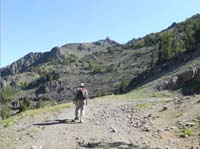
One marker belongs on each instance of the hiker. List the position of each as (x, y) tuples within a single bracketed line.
[(80, 102)]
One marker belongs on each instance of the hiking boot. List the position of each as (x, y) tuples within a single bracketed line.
[(75, 119), (81, 121)]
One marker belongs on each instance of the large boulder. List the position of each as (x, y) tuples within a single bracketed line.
[(180, 79), (173, 82), (187, 75)]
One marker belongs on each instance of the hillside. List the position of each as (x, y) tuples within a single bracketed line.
[(107, 67)]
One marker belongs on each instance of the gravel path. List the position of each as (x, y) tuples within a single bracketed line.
[(109, 124)]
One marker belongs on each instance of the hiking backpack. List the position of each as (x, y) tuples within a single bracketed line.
[(82, 93)]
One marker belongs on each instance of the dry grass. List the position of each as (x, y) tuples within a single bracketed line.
[(12, 120)]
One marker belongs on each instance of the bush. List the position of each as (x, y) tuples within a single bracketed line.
[(186, 132), (109, 68), (123, 85), (144, 106), (70, 59), (25, 104), (5, 112), (7, 94), (40, 104), (198, 116), (98, 68), (24, 85), (101, 93)]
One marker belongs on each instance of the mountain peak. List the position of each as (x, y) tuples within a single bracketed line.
[(106, 41)]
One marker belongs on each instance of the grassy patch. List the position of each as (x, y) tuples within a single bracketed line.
[(12, 120), (161, 94), (112, 98), (186, 132), (144, 105), (198, 116), (145, 92), (8, 122), (139, 93), (46, 109)]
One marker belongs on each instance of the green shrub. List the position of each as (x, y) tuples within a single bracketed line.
[(101, 93), (7, 94), (70, 59), (186, 132), (40, 104), (98, 68), (25, 104), (144, 105), (198, 116), (24, 85), (123, 85), (5, 112), (109, 68)]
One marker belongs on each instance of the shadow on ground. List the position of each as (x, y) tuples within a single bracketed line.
[(55, 122), (116, 145)]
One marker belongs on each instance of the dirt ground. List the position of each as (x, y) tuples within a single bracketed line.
[(125, 123)]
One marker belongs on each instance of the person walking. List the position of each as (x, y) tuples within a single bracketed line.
[(80, 102)]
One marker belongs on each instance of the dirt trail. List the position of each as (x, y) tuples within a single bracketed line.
[(108, 124)]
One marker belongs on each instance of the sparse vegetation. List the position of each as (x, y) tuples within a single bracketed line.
[(157, 94), (99, 68), (186, 132), (101, 93), (5, 112), (123, 85), (40, 104), (65, 60), (25, 104), (12, 120), (40, 70), (7, 94), (198, 116), (24, 85), (144, 106)]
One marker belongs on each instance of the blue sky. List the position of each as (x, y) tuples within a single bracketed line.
[(39, 25)]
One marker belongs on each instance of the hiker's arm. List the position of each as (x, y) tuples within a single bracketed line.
[(75, 99), (87, 97)]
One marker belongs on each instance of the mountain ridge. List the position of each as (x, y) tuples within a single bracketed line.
[(105, 66)]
